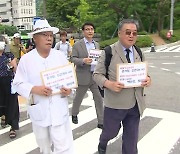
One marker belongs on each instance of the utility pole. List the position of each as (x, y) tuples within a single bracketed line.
[(79, 30), (44, 9), (12, 16), (172, 16)]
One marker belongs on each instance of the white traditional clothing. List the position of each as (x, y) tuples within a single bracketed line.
[(48, 111)]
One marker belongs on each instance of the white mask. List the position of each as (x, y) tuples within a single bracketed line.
[(2, 45)]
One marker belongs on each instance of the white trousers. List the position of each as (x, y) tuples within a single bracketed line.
[(54, 139)]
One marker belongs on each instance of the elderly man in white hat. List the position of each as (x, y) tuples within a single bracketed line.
[(49, 113)]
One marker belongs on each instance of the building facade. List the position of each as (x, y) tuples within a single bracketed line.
[(6, 11), (19, 12)]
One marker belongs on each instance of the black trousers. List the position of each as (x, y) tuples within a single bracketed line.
[(9, 103)]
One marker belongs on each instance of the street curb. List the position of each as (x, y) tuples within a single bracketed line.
[(161, 46)]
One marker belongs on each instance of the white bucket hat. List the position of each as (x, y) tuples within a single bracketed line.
[(43, 26), (17, 35)]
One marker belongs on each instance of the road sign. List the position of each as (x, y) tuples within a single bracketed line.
[(35, 19)]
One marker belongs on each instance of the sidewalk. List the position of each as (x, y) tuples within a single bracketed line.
[(157, 40)]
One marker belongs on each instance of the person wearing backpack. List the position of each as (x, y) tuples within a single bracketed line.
[(122, 105)]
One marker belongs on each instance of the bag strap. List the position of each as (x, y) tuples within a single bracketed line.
[(58, 46), (138, 51), (108, 56)]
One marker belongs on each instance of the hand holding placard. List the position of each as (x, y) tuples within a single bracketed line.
[(57, 78), (132, 74)]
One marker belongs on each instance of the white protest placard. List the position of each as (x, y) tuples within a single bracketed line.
[(132, 74), (64, 76), (94, 54)]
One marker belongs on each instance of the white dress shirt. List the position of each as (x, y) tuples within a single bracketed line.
[(89, 46)]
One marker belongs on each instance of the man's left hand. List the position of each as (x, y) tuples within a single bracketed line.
[(146, 82), (65, 91)]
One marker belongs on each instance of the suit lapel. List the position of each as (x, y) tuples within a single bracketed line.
[(120, 52), (96, 45), (83, 46)]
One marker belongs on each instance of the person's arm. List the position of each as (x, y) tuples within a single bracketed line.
[(14, 64), (23, 49), (101, 80)]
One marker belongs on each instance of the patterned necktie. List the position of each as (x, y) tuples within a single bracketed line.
[(127, 55)]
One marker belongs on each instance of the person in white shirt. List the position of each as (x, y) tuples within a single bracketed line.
[(49, 113), (63, 45)]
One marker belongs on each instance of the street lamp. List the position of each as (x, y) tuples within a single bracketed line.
[(171, 16)]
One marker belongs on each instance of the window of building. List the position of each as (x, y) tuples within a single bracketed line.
[(3, 13), (3, 5)]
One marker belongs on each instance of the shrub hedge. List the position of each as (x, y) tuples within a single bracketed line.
[(174, 38)]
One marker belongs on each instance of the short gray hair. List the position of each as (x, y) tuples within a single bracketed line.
[(128, 21)]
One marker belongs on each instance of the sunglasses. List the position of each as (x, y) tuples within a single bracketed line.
[(129, 33)]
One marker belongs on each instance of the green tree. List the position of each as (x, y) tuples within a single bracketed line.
[(9, 30), (58, 12), (177, 14)]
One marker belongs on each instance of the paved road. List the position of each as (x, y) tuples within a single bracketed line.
[(159, 126)]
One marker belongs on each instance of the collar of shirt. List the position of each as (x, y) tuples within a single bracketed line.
[(64, 42), (131, 54), (89, 45)]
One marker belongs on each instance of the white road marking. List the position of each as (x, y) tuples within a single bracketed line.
[(165, 69), (160, 139), (22, 145), (178, 73), (164, 56), (21, 124), (152, 66), (176, 56), (168, 63), (84, 117), (163, 136)]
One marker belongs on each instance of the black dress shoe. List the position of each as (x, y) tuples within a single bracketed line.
[(101, 151), (100, 126), (75, 119)]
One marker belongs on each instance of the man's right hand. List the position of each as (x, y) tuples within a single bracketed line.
[(41, 90), (87, 60), (114, 85)]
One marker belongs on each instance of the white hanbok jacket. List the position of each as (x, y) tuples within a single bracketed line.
[(52, 110)]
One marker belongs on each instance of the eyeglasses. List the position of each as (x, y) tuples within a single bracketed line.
[(46, 35), (130, 32)]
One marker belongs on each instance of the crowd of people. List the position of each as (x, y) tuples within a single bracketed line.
[(49, 113)]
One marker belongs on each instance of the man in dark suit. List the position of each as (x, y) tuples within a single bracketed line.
[(122, 105), (84, 71)]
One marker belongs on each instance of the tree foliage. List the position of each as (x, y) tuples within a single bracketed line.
[(9, 30), (60, 10), (152, 15)]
